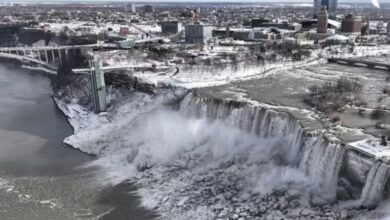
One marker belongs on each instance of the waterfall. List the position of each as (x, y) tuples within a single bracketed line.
[(322, 160), (375, 183), (262, 122)]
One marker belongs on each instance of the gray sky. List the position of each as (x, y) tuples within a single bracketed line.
[(176, 1), (368, 1)]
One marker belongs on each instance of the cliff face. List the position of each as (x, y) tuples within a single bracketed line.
[(8, 36), (30, 36)]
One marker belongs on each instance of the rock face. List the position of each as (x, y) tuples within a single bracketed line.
[(70, 87)]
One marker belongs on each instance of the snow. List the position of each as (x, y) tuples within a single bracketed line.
[(205, 76), (337, 37), (372, 148)]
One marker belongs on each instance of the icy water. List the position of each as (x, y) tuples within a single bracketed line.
[(40, 177)]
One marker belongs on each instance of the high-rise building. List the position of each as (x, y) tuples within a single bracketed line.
[(149, 8), (131, 8), (331, 7), (198, 33), (351, 25), (322, 20)]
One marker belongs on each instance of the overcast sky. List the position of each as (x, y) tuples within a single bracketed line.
[(57, 1), (368, 1)]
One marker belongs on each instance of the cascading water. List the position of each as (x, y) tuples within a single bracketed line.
[(322, 161), (262, 122), (372, 192)]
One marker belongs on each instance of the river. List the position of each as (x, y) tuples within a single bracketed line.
[(40, 177)]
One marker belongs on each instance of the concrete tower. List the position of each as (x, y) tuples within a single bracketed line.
[(322, 20), (98, 85)]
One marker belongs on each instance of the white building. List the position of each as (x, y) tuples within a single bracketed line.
[(198, 33)]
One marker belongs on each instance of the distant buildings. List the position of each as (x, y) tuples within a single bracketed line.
[(170, 27), (322, 20), (258, 22), (198, 33), (149, 8), (331, 7), (264, 23), (131, 8), (248, 34), (351, 25)]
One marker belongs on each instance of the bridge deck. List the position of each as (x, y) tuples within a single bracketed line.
[(108, 68), (357, 61), (6, 49)]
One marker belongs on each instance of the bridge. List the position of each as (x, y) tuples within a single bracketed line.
[(51, 57), (47, 56), (114, 67), (358, 62)]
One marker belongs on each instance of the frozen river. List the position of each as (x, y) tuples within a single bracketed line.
[(40, 177)]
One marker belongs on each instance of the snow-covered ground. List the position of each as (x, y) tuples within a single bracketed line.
[(203, 75)]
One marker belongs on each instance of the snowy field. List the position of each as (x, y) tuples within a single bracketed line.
[(204, 76)]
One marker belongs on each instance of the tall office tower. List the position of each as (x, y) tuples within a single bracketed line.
[(131, 8), (331, 7), (322, 20)]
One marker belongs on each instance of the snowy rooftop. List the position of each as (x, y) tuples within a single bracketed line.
[(334, 23), (337, 37), (372, 148)]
